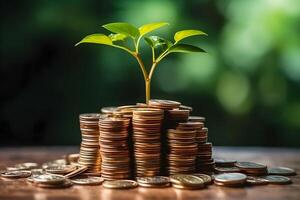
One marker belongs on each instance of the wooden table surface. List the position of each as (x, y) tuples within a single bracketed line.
[(20, 189)]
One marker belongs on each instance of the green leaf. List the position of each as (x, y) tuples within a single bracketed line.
[(117, 37), (147, 28), (123, 28), (97, 39), (184, 48), (155, 41), (187, 33)]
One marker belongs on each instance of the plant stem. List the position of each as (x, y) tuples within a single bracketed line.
[(148, 88)]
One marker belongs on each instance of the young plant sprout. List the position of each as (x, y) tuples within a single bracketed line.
[(122, 31)]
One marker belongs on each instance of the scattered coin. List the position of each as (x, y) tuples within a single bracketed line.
[(252, 180), (16, 174), (155, 181), (49, 179), (65, 184), (120, 184), (252, 168), (226, 169), (279, 180), (281, 171), (62, 169), (77, 171), (88, 180), (230, 179), (206, 178), (225, 163), (185, 181)]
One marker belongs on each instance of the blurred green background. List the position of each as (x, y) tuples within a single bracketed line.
[(247, 86)]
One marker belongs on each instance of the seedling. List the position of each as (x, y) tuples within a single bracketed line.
[(160, 47)]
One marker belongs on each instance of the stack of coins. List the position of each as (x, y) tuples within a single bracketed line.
[(147, 124), (230, 179), (114, 148), (89, 154), (252, 169), (205, 162), (182, 151)]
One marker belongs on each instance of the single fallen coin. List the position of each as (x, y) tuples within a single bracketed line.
[(206, 178), (16, 174), (120, 184), (49, 179), (230, 179), (252, 180), (88, 180), (154, 180), (281, 171), (186, 180), (279, 180)]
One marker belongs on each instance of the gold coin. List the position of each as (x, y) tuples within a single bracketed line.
[(155, 180), (120, 184), (206, 178), (187, 180)]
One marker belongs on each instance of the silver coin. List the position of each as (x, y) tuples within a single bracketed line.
[(89, 180), (49, 178), (27, 165), (281, 171), (16, 174), (252, 180), (231, 178), (275, 179)]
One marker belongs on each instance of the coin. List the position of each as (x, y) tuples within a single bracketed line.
[(225, 163), (187, 180), (163, 104), (252, 180), (230, 179), (226, 169), (206, 178), (65, 184), (276, 179), (62, 169), (281, 171), (120, 184), (252, 168), (109, 110), (16, 174), (88, 180), (49, 179), (24, 166), (77, 171), (155, 180)]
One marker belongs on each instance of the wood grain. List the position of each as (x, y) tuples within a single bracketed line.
[(20, 189)]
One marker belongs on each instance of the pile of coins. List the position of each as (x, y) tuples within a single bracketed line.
[(114, 148), (182, 151), (147, 124), (205, 162), (90, 149)]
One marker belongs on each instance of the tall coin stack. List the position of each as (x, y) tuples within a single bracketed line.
[(147, 124), (183, 148), (114, 148), (205, 163), (89, 154)]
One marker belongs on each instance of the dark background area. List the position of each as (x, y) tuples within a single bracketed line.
[(247, 86)]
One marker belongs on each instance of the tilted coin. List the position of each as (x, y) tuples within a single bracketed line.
[(27, 165), (250, 165), (77, 171), (155, 180), (226, 169), (252, 180), (206, 178), (120, 184), (88, 180), (61, 169), (275, 179), (281, 171), (49, 179), (187, 180), (230, 178), (224, 163), (16, 174)]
